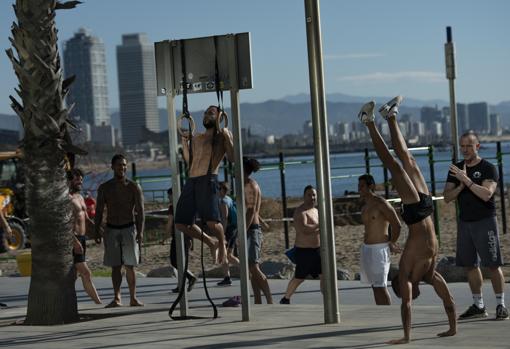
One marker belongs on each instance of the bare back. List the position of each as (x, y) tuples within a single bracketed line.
[(79, 214), (375, 222), (306, 223), (420, 252)]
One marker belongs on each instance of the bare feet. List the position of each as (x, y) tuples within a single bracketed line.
[(399, 341), (114, 304), (450, 332), (98, 301), (136, 303)]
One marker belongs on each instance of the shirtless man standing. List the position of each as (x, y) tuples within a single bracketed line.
[(81, 218), (123, 235), (419, 256), (308, 257), (252, 200), (200, 193), (377, 215)]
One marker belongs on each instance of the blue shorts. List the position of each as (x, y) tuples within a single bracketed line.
[(199, 197)]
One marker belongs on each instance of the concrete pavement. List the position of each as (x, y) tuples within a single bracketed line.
[(299, 325)]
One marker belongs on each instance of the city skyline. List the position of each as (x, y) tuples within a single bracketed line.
[(370, 49)]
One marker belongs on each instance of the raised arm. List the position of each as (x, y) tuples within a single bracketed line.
[(185, 149), (228, 142), (451, 192)]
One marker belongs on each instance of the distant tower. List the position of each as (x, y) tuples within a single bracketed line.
[(137, 87), (84, 57), (479, 117), (462, 118)]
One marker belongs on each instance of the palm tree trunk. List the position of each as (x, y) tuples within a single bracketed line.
[(52, 296)]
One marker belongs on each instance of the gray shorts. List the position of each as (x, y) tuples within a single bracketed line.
[(120, 247), (254, 242), (478, 240)]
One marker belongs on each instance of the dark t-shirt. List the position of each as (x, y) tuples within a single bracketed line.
[(471, 207)]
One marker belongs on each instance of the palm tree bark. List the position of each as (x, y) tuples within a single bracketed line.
[(52, 296)]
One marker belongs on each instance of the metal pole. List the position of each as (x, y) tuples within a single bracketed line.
[(174, 166), (386, 184), (284, 200), (499, 156), (225, 169), (367, 161), (433, 187), (239, 176), (133, 171), (322, 166), (449, 51)]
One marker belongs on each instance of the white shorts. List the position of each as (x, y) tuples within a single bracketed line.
[(375, 264)]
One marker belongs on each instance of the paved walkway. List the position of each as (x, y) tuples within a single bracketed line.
[(300, 325)]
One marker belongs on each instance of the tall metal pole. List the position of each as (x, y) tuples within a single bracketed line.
[(322, 167), (239, 176), (284, 200), (449, 51), (174, 166)]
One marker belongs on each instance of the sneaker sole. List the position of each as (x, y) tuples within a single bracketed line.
[(477, 316), (502, 318)]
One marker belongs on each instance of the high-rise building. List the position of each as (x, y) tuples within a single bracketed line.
[(137, 87), (496, 129), (429, 115), (462, 118), (479, 117), (84, 57)]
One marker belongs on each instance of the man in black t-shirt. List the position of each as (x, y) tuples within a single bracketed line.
[(473, 182)]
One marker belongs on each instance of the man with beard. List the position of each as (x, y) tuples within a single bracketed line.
[(123, 234), (80, 220), (199, 197)]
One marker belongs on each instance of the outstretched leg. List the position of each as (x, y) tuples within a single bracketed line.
[(401, 180), (389, 111)]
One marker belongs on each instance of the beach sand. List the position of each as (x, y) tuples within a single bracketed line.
[(348, 236)]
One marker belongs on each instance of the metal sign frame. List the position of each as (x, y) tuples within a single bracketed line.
[(233, 54)]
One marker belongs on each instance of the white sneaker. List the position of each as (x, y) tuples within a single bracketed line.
[(366, 114), (390, 109)]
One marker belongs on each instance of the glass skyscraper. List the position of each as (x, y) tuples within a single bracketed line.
[(84, 57)]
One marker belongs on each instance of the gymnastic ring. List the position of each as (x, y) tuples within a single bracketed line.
[(182, 133), (221, 117)]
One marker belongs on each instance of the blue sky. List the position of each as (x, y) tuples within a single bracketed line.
[(371, 48)]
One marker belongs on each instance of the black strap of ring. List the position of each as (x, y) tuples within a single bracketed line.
[(185, 109), (219, 91), (182, 285)]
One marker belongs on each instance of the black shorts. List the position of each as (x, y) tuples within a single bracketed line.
[(308, 262), (80, 258), (231, 237), (199, 197), (418, 211)]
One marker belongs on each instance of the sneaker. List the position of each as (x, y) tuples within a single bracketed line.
[(225, 282), (366, 114), (284, 301), (232, 302), (191, 283), (474, 312), (501, 312), (390, 109)]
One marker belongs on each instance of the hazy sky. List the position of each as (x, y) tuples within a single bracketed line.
[(371, 48)]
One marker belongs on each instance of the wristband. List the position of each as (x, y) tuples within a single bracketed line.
[(470, 185)]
